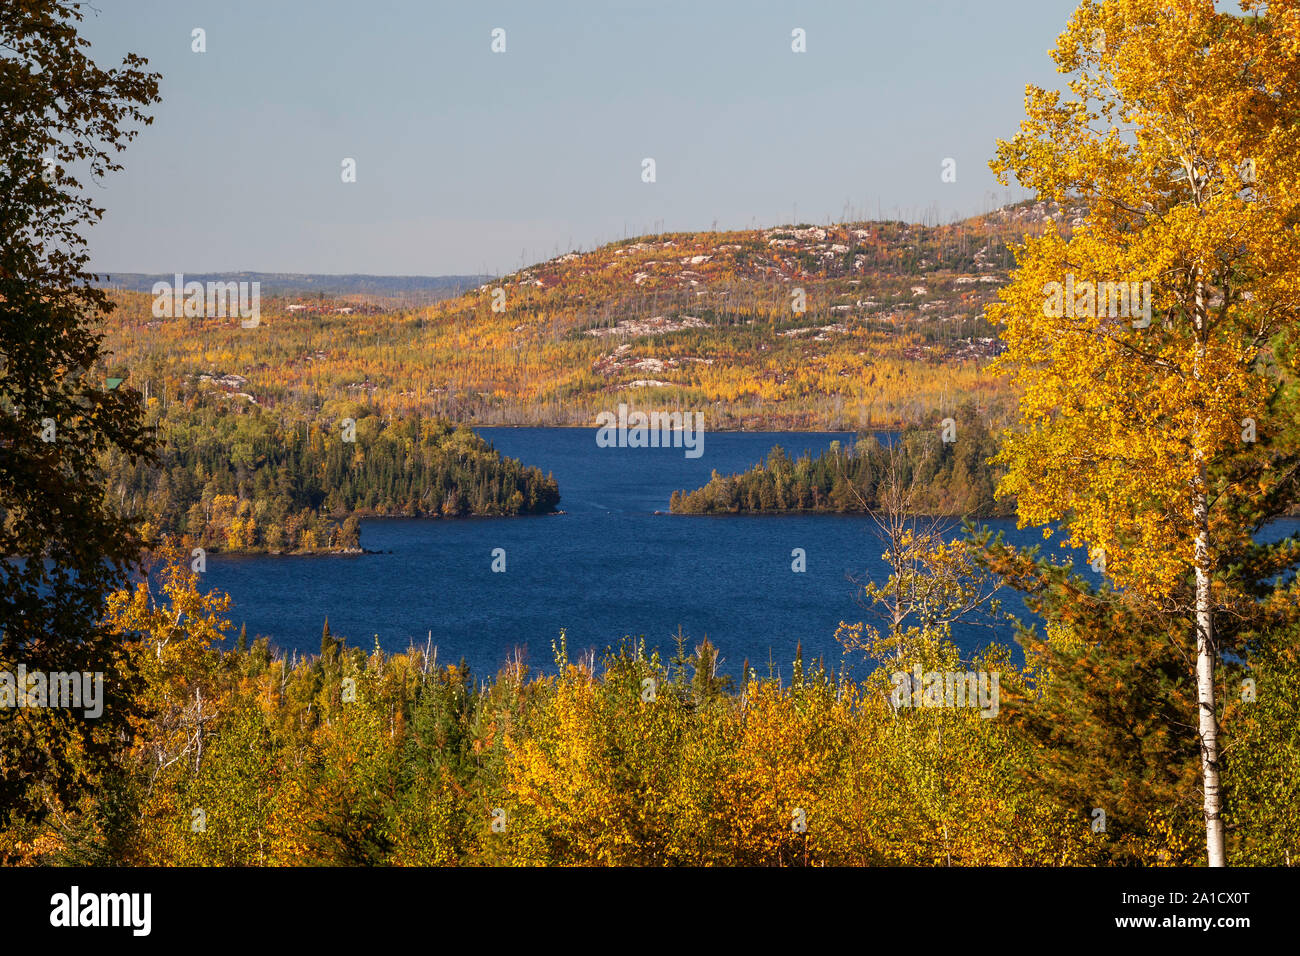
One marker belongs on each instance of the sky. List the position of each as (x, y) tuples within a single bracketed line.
[(470, 161)]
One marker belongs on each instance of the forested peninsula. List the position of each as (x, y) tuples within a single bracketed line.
[(249, 480), (934, 476)]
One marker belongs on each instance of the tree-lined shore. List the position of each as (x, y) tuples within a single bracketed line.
[(248, 480), (945, 476)]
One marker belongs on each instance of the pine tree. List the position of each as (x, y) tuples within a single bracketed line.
[(1109, 699), (328, 645)]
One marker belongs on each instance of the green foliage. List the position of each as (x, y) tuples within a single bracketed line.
[(1107, 711), (1262, 769)]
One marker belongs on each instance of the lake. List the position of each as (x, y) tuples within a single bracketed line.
[(607, 568)]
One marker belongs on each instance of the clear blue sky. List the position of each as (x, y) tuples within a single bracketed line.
[(469, 161)]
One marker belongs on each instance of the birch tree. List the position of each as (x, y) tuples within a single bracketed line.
[(1176, 154)]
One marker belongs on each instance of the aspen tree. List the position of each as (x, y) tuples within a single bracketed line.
[(1176, 150)]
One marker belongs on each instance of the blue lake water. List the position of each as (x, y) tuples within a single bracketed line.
[(607, 568)]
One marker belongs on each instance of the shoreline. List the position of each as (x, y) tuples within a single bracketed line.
[(353, 552)]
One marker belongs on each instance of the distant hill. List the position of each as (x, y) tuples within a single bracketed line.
[(849, 325), (294, 283)]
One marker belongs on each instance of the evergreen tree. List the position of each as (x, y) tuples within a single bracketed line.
[(1108, 713)]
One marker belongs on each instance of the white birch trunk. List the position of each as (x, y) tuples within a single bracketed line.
[(1207, 726)]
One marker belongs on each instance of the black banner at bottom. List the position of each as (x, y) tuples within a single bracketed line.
[(335, 906)]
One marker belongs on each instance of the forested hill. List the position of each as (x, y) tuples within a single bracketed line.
[(858, 325)]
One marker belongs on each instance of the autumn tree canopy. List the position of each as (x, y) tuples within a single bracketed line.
[(1151, 423)]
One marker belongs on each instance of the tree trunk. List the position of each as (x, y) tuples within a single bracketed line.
[(1207, 726), (1208, 722)]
